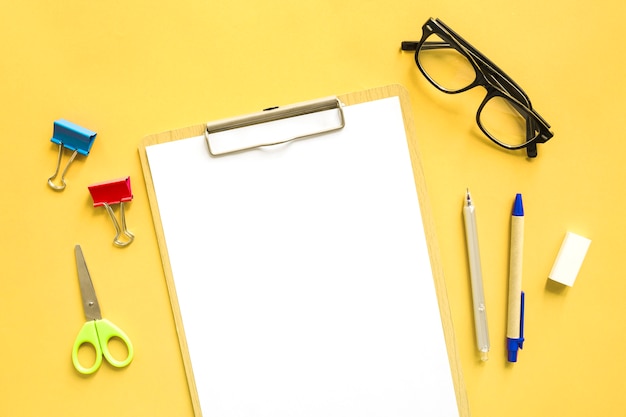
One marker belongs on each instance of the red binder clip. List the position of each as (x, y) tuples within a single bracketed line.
[(114, 192)]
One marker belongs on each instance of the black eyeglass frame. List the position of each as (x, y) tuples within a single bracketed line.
[(489, 76)]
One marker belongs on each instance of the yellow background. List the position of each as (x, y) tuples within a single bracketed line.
[(126, 69)]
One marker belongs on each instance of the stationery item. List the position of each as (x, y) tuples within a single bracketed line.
[(515, 322), (303, 277), (114, 192), (74, 138), (476, 275), (569, 259), (97, 331)]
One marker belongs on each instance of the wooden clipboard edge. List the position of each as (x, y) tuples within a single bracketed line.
[(173, 135), (427, 218)]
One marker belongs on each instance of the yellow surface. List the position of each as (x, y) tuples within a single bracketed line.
[(128, 69)]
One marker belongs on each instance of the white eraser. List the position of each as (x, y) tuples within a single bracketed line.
[(570, 258)]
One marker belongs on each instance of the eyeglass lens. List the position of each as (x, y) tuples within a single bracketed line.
[(500, 118), (444, 65), (452, 72)]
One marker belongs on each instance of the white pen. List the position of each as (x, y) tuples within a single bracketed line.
[(476, 275)]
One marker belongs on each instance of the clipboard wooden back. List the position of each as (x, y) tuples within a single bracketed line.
[(426, 218)]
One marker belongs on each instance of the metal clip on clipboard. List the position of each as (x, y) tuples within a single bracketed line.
[(313, 118), (73, 137), (114, 192)]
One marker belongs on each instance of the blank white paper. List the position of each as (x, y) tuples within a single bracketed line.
[(303, 275)]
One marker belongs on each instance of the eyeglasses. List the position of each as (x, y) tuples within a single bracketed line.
[(452, 65)]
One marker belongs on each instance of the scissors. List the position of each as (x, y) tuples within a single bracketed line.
[(97, 331)]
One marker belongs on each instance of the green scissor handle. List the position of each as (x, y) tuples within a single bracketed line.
[(98, 333)]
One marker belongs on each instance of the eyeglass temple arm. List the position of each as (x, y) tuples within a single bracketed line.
[(531, 149), (412, 45)]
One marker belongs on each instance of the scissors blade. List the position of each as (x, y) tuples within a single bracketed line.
[(87, 291)]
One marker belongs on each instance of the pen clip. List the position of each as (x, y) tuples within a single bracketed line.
[(521, 323)]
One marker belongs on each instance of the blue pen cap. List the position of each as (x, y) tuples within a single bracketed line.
[(518, 206)]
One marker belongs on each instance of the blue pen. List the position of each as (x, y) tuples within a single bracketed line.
[(515, 321)]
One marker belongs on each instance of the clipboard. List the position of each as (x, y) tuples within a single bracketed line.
[(312, 386)]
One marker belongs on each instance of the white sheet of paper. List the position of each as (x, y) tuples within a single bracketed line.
[(303, 275)]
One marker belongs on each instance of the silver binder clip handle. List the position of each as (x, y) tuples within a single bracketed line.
[(62, 185), (119, 231)]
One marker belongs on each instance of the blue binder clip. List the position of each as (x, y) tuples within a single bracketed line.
[(73, 137)]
